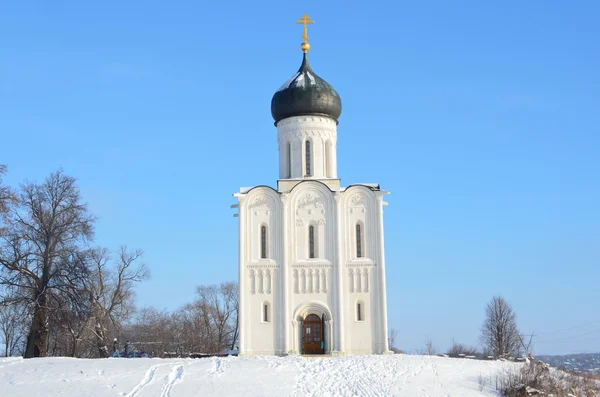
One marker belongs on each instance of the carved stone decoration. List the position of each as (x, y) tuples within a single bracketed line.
[(260, 282), (321, 221), (357, 277), (252, 282), (299, 222), (268, 281), (351, 275), (309, 276), (357, 200), (259, 201), (316, 281), (366, 279), (309, 199), (324, 280), (303, 280), (296, 290)]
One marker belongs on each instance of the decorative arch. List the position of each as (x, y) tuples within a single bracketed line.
[(262, 205), (361, 224), (313, 203), (312, 307)]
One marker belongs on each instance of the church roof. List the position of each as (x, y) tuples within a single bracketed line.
[(305, 93)]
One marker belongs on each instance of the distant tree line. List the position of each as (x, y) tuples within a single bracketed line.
[(208, 325), (499, 336), (62, 296)]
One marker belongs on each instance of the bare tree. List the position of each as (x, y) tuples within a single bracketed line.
[(111, 291), (12, 329), (231, 295), (430, 350), (459, 350), (219, 306), (8, 198), (499, 331), (39, 253), (392, 335), (151, 331)]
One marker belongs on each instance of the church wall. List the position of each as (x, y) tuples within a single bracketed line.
[(259, 276), (361, 282), (311, 280), (332, 282)]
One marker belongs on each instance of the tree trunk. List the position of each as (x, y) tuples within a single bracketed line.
[(101, 342), (37, 340), (74, 347)]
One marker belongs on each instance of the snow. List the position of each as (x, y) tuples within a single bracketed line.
[(287, 83), (299, 80), (375, 375)]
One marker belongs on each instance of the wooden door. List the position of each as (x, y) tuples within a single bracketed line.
[(313, 334)]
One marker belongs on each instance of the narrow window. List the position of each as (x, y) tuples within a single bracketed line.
[(265, 312), (289, 160), (308, 158), (359, 252), (328, 160), (263, 242), (359, 311), (311, 241)]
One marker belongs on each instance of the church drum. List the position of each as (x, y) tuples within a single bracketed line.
[(313, 334)]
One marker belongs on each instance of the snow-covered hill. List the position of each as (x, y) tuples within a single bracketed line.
[(397, 375)]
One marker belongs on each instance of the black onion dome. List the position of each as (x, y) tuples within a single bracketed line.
[(305, 94)]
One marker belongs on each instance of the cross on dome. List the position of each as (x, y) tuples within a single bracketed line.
[(305, 20)]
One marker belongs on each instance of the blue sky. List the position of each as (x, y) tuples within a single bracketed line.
[(481, 119)]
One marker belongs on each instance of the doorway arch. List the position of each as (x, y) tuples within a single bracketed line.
[(313, 329)]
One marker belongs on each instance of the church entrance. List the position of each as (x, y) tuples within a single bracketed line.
[(314, 341)]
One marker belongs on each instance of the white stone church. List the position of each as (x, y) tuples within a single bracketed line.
[(311, 253)]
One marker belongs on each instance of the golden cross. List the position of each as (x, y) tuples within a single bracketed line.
[(305, 20)]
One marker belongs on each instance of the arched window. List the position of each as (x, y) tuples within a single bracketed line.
[(308, 171), (266, 315), (289, 160), (359, 247), (328, 160), (360, 311), (311, 241), (263, 242)]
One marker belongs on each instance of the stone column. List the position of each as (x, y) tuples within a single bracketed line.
[(294, 346), (382, 288), (337, 285)]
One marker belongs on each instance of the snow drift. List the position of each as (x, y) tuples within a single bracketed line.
[(393, 375)]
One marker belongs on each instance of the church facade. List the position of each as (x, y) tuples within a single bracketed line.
[(311, 253)]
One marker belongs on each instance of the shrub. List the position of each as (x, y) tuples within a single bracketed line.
[(538, 378)]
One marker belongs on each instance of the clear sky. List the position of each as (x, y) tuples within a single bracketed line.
[(482, 120)]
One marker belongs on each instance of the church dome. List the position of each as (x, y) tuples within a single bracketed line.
[(305, 93)]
